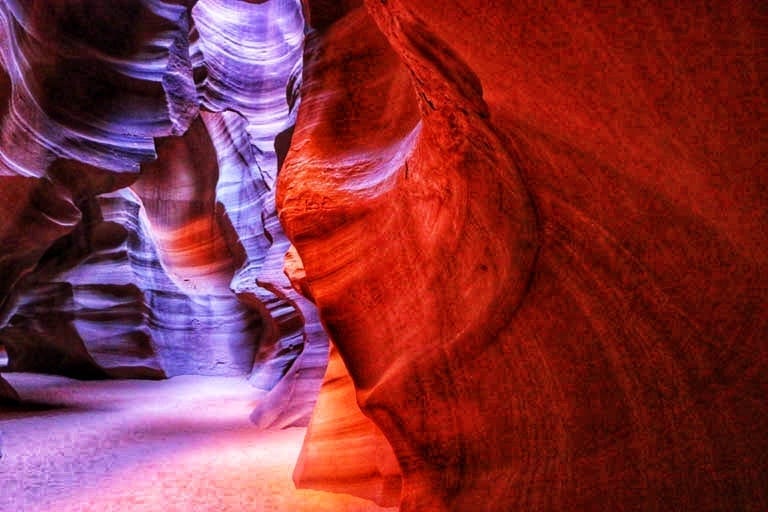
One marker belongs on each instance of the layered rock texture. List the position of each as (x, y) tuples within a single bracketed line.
[(343, 450), (137, 174), (534, 231), (536, 234)]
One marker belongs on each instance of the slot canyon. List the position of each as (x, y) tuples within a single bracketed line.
[(364, 255)]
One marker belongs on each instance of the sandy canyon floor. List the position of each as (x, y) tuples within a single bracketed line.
[(181, 444)]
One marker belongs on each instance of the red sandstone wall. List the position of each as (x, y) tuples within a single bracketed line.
[(548, 283)]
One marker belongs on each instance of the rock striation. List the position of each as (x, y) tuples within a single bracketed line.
[(343, 450), (139, 157), (535, 234)]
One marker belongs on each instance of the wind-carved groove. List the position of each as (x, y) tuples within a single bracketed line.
[(406, 196), (197, 234), (482, 294), (248, 114)]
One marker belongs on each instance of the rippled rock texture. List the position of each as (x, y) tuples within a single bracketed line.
[(536, 234), (139, 154), (343, 450)]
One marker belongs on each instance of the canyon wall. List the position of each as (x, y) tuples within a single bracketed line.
[(536, 234), (139, 154)]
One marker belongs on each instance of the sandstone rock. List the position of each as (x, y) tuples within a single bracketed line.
[(252, 53), (138, 163), (548, 282), (343, 450), (534, 232)]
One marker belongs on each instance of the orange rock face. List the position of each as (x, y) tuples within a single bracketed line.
[(343, 450), (536, 235), (534, 231)]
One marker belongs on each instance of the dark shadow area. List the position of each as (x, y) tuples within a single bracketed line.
[(23, 409)]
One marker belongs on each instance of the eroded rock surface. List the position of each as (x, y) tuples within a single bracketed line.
[(137, 174), (535, 234), (343, 450)]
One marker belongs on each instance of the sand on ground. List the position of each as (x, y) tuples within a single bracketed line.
[(183, 444)]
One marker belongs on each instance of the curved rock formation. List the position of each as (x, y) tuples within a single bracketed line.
[(138, 160), (252, 53), (343, 450), (140, 287), (534, 231), (124, 86), (536, 235)]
